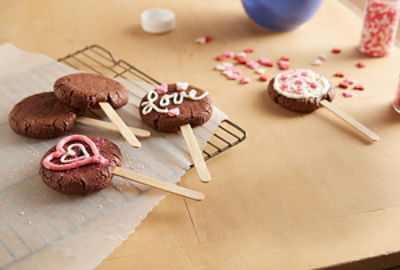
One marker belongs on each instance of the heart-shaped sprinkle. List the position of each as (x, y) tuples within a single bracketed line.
[(237, 71), (304, 73), (245, 80), (229, 54), (227, 73), (76, 161), (162, 89), (201, 40), (316, 62), (220, 67), (260, 70), (182, 86), (252, 64), (263, 60), (234, 76), (173, 112), (347, 94)]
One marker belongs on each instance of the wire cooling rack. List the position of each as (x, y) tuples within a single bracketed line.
[(96, 59)]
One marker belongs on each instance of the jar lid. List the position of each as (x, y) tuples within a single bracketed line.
[(158, 20)]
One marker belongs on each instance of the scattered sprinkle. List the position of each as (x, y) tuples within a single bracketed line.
[(284, 58), (313, 85), (358, 87), (237, 71), (339, 74), (349, 81), (203, 40), (260, 70), (347, 94), (263, 78), (263, 60), (316, 62), (243, 54), (322, 57), (248, 50), (234, 76), (229, 54), (336, 50), (343, 85), (270, 64), (241, 60), (200, 40), (245, 80), (252, 64), (220, 67), (361, 65), (227, 72), (220, 58)]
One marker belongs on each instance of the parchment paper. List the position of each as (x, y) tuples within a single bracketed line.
[(44, 229)]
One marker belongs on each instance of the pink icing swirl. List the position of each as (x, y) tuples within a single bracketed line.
[(76, 162)]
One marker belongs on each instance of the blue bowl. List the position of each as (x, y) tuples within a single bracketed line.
[(280, 15)]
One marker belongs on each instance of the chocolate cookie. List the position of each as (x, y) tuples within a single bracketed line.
[(168, 107), (41, 116), (86, 90), (79, 164), (300, 90)]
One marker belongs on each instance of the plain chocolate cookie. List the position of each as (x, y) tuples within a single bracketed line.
[(88, 178), (86, 90), (42, 116), (303, 105), (194, 112)]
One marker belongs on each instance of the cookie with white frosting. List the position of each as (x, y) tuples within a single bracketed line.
[(170, 106), (300, 90)]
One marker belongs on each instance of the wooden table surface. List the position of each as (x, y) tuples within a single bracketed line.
[(302, 191)]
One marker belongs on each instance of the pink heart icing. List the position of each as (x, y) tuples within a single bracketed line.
[(76, 162), (162, 89)]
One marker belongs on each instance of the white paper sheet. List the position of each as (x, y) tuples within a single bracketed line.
[(44, 229)]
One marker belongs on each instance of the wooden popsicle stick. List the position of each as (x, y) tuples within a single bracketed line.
[(350, 120), (195, 152), (119, 124), (110, 126), (159, 184)]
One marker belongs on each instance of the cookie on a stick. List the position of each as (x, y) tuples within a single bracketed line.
[(305, 91), (43, 116), (92, 91), (179, 106), (80, 165)]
